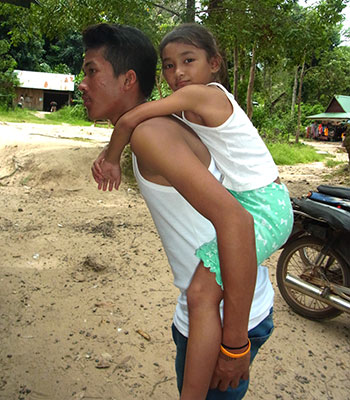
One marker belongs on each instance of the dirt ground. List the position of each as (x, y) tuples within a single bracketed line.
[(86, 295)]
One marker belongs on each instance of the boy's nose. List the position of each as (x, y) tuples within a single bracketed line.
[(82, 85)]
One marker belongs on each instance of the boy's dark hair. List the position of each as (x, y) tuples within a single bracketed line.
[(126, 48), (198, 36)]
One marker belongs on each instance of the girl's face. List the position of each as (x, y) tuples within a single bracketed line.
[(185, 64)]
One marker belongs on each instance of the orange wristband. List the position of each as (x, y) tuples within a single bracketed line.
[(232, 355)]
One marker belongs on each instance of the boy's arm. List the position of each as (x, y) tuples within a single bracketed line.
[(190, 98)]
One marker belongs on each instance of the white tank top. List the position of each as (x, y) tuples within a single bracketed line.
[(239, 152), (182, 230)]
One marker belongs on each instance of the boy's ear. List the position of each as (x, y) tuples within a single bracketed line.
[(215, 63), (130, 78)]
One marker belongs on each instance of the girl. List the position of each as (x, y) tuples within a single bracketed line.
[(193, 68)]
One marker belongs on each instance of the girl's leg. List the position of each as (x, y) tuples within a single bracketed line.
[(203, 298)]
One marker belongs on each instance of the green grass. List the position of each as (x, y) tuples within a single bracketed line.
[(67, 115), (292, 153), (333, 163), (341, 173), (18, 115)]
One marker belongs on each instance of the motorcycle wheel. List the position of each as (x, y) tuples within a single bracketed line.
[(297, 258)]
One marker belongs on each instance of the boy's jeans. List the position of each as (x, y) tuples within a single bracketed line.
[(257, 336)]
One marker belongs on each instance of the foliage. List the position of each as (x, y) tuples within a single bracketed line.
[(74, 115), (331, 77), (283, 35), (7, 77)]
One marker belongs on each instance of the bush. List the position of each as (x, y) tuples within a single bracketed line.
[(74, 115)]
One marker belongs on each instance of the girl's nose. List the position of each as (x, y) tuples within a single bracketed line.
[(179, 71)]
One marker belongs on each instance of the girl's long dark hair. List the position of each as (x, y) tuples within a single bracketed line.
[(197, 35)]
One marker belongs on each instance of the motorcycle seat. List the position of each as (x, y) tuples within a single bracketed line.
[(335, 217), (330, 200), (337, 191)]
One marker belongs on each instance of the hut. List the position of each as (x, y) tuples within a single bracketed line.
[(331, 124), (38, 90)]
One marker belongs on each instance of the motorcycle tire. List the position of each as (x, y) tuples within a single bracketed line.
[(296, 258)]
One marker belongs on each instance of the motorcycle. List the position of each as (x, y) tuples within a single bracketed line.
[(313, 269)]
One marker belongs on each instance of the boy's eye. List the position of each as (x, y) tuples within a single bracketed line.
[(189, 60), (89, 71)]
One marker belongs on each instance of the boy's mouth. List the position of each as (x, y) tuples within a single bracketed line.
[(86, 100)]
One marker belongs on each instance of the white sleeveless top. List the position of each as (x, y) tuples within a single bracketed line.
[(239, 152), (182, 230)]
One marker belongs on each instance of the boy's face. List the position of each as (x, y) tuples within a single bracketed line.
[(102, 91)]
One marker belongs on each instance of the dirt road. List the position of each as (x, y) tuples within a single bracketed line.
[(86, 295)]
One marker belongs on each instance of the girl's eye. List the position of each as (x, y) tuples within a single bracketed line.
[(167, 66), (189, 60)]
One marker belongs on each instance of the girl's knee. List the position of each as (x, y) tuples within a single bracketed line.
[(196, 295), (204, 291)]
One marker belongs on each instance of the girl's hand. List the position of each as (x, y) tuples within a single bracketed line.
[(96, 169), (111, 175), (229, 371)]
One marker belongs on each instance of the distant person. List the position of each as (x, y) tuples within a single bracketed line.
[(20, 101), (53, 106), (346, 141)]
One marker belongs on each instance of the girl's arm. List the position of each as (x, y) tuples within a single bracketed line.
[(199, 99)]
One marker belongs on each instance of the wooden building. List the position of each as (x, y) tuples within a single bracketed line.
[(331, 124), (38, 89)]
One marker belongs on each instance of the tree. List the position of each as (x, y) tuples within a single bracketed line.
[(7, 77), (267, 44), (333, 71), (252, 32)]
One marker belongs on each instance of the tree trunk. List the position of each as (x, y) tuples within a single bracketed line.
[(301, 79), (213, 7), (190, 10), (251, 84), (294, 95), (235, 71)]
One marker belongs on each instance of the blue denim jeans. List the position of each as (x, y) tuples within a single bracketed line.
[(257, 336)]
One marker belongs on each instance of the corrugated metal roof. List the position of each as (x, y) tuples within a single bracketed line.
[(45, 80), (334, 116), (344, 102)]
